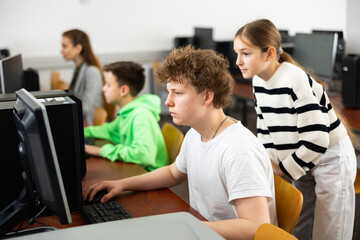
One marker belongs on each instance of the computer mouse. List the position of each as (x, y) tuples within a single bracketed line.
[(98, 196)]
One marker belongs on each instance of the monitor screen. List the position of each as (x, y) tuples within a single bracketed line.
[(38, 155), (11, 73), (317, 52)]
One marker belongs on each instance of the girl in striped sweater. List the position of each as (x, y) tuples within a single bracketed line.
[(300, 130)]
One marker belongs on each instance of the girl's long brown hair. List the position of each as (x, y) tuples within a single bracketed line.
[(263, 33)]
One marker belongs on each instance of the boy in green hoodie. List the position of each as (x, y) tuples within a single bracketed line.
[(135, 132)]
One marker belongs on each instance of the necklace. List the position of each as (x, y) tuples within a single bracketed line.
[(219, 126)]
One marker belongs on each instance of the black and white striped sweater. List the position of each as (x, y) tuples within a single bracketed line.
[(295, 120)]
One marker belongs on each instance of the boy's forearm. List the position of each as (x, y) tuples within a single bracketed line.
[(159, 178), (234, 228)]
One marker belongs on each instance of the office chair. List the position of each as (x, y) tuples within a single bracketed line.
[(268, 231), (56, 82), (99, 116), (289, 202), (357, 182), (110, 109), (173, 139)]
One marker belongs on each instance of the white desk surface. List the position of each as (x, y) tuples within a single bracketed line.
[(180, 225)]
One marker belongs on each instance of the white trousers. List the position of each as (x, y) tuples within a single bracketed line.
[(329, 198)]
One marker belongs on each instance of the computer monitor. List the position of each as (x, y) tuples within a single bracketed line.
[(339, 32), (65, 115), (226, 48), (340, 51), (317, 52), (11, 74), (4, 53), (204, 38), (43, 185)]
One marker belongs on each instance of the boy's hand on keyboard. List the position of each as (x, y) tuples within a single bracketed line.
[(112, 187)]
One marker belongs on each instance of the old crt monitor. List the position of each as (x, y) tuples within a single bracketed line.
[(316, 52), (11, 74), (43, 185)]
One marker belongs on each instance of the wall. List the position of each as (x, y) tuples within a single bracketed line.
[(352, 27), (143, 30)]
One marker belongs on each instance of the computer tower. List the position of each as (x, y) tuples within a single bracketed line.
[(30, 80), (67, 132), (11, 182), (350, 89)]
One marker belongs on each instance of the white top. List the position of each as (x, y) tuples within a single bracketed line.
[(295, 120), (233, 165)]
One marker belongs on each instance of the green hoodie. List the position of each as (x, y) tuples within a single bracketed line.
[(136, 134)]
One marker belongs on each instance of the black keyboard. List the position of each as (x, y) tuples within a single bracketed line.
[(104, 212)]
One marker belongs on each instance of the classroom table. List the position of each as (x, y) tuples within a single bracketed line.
[(139, 204)]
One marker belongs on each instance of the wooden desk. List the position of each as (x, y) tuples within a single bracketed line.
[(243, 93), (243, 90), (351, 115), (139, 204)]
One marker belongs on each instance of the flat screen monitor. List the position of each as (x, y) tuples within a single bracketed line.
[(226, 48), (43, 185), (37, 149), (339, 32), (67, 130), (317, 52), (11, 74), (4, 53), (204, 38)]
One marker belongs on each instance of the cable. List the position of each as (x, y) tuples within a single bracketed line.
[(22, 230)]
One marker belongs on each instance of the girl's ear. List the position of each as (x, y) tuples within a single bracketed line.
[(271, 54), (78, 48)]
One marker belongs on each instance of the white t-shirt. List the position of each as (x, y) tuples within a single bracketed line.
[(233, 165)]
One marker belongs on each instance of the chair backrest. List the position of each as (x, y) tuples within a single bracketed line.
[(99, 116), (110, 109), (357, 182), (268, 231), (56, 82), (289, 202), (173, 139)]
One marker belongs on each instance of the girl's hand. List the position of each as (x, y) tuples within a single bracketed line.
[(276, 169)]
